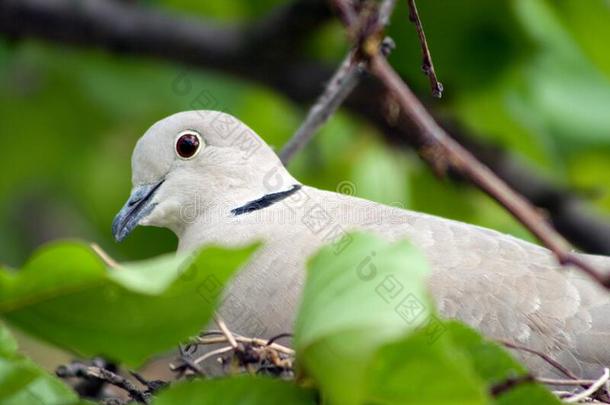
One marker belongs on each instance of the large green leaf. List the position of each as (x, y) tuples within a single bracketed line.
[(447, 363), (65, 295), (424, 368), (22, 382), (494, 365), (239, 390), (368, 294), (367, 333)]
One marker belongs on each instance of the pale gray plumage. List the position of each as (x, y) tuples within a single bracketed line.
[(508, 288)]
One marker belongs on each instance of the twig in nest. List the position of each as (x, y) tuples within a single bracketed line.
[(510, 383), (108, 261), (223, 327), (252, 354), (213, 353), (246, 340), (427, 64), (278, 337), (186, 363), (152, 385), (557, 381), (591, 390), (80, 370)]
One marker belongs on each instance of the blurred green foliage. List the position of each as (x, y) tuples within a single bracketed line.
[(531, 76)]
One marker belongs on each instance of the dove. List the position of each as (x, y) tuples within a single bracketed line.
[(210, 179)]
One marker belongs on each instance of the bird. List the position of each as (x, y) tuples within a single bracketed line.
[(212, 180)]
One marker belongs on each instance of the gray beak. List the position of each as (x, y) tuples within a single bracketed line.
[(137, 207)]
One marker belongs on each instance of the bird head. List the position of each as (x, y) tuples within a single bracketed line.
[(194, 163)]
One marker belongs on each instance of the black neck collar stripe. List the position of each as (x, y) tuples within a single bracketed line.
[(265, 201)]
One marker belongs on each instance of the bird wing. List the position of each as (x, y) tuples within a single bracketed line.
[(507, 288)]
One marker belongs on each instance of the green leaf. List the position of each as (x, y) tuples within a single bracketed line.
[(22, 382), (66, 296), (424, 369), (449, 363), (494, 364), (239, 390), (353, 302), (366, 333)]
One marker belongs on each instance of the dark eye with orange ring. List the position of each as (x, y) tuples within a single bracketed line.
[(188, 144)]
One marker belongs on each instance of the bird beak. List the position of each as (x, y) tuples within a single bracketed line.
[(137, 207)]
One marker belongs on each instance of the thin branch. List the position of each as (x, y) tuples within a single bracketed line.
[(543, 356), (213, 353), (427, 64), (338, 88), (385, 12), (152, 385), (247, 340), (226, 332), (591, 390), (109, 261), (342, 83), (278, 337), (187, 363), (509, 384), (89, 372), (556, 381), (123, 28), (253, 355), (440, 149)]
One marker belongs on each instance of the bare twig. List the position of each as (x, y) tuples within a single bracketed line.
[(137, 30), (509, 384), (427, 64), (342, 83), (109, 261), (441, 149), (213, 353), (591, 390), (254, 355), (278, 337), (223, 327), (556, 381), (80, 370), (187, 363), (247, 340), (338, 88), (152, 385)]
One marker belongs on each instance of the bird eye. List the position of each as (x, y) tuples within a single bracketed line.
[(188, 144)]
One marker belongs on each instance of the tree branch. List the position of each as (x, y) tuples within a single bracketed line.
[(80, 370), (126, 28), (439, 149), (427, 64), (339, 87)]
